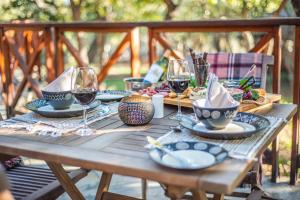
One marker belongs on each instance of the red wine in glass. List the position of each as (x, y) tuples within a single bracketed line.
[(178, 77), (85, 96), (84, 89), (178, 85)]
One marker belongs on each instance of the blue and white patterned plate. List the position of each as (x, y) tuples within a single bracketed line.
[(112, 95), (42, 107), (201, 154), (243, 125)]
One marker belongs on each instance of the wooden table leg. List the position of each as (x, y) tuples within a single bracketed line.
[(103, 185), (218, 197), (175, 192), (144, 189), (199, 195), (65, 181), (275, 154)]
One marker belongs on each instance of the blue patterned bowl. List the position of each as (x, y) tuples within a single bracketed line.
[(214, 118), (136, 110), (59, 100)]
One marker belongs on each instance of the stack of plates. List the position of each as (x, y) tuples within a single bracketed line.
[(42, 107), (243, 125)]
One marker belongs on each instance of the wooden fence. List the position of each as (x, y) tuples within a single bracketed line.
[(21, 45)]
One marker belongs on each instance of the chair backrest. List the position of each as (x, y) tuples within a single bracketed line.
[(233, 66)]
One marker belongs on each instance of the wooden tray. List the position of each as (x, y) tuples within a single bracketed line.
[(252, 107)]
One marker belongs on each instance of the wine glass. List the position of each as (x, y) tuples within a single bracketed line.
[(178, 77), (84, 89)]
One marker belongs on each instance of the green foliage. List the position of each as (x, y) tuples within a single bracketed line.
[(135, 10)]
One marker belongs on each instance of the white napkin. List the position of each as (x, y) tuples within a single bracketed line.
[(217, 96), (62, 82)]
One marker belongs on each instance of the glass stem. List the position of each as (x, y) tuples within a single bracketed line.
[(84, 117), (179, 106)]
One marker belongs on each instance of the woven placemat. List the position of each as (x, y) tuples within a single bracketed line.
[(247, 146)]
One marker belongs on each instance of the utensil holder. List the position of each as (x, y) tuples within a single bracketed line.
[(201, 73)]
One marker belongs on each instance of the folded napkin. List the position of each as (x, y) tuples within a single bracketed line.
[(62, 82), (217, 96)]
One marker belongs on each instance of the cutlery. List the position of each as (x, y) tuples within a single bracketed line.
[(249, 71), (176, 129), (157, 144)]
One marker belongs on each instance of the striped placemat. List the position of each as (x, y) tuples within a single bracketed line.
[(247, 146)]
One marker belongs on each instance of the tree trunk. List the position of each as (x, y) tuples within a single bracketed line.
[(296, 5), (171, 7), (75, 6)]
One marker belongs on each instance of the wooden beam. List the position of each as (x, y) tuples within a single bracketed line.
[(74, 52), (28, 71), (277, 60), (166, 45), (262, 43), (65, 181), (296, 100), (49, 51), (134, 53), (6, 74), (151, 46), (23, 65), (115, 56), (216, 29), (103, 185), (275, 157), (59, 53)]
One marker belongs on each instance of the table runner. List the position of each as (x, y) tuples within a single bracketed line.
[(246, 147), (55, 127)]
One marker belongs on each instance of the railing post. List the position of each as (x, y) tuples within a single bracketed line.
[(59, 54), (296, 100), (135, 50), (151, 46), (277, 60), (6, 74), (276, 90), (49, 51)]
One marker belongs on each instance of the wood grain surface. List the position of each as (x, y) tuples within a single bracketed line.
[(119, 149)]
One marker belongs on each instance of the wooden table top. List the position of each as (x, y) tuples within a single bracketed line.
[(118, 148)]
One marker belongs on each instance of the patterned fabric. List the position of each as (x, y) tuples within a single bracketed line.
[(233, 66), (13, 162)]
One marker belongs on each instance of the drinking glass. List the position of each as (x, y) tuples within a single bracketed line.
[(178, 77), (84, 89)]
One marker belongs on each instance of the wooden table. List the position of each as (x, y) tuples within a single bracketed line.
[(119, 149)]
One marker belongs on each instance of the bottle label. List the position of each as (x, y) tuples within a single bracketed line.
[(154, 74)]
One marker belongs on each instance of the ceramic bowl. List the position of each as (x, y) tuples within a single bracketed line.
[(214, 118), (59, 100), (236, 93), (136, 110), (136, 84)]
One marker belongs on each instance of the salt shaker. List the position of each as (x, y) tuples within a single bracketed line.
[(158, 102)]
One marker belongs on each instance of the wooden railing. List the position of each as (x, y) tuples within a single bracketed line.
[(51, 36)]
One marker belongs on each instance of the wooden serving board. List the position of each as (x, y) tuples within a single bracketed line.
[(252, 107)]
